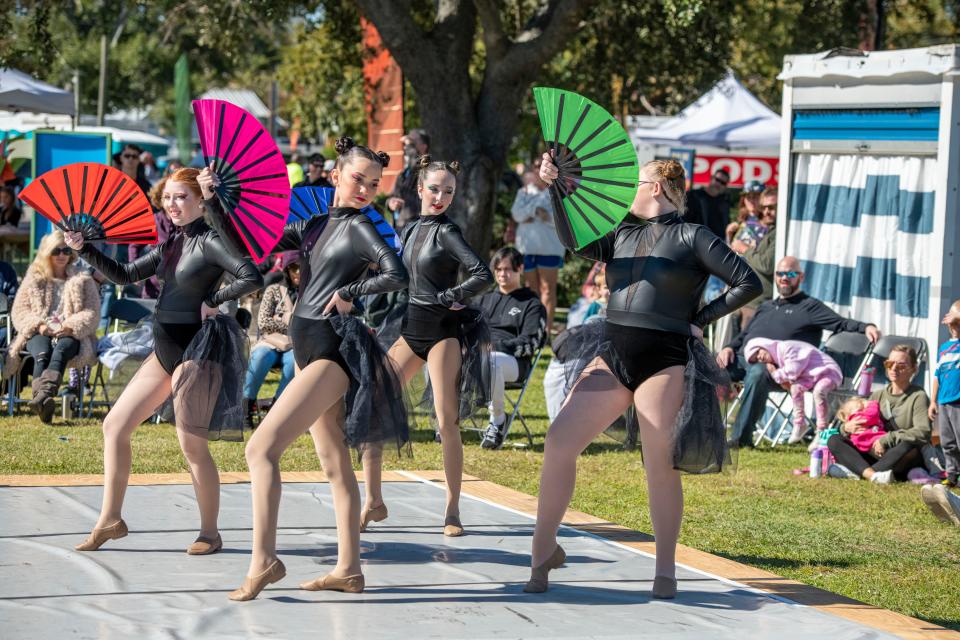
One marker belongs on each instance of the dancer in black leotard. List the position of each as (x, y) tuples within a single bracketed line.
[(190, 264), (337, 358), (433, 330), (649, 355)]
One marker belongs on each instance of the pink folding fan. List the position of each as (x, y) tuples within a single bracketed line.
[(254, 189)]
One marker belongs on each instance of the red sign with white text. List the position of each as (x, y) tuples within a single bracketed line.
[(741, 170)]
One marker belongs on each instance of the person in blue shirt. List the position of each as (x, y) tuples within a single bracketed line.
[(946, 395), (946, 404)]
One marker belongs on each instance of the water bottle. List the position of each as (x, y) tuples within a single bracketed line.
[(866, 382), (826, 459), (816, 459)]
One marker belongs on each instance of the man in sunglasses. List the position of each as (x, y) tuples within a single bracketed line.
[(792, 316), (762, 257), (710, 206), (316, 175)]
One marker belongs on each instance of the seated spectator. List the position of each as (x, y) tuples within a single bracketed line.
[(274, 346), (903, 407), (316, 173), (8, 289), (10, 213), (792, 316), (517, 322), (598, 308), (798, 367), (55, 315)]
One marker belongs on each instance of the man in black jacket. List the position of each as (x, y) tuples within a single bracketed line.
[(792, 316), (518, 323)]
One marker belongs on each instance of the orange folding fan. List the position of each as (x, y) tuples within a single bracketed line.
[(99, 201)]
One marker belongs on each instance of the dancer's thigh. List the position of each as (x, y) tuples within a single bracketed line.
[(147, 390), (408, 363), (312, 391), (596, 400)]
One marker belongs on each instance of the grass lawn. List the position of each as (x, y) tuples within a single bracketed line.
[(874, 543)]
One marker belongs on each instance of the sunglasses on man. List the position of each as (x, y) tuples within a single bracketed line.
[(130, 156), (787, 274), (721, 181)]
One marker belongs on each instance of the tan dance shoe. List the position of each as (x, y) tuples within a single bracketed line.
[(664, 588), (98, 536), (330, 582), (452, 527), (253, 586), (377, 514), (204, 546), (538, 582)]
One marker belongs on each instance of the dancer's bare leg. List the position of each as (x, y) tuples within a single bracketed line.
[(593, 404), (312, 391), (327, 434), (658, 401), (408, 364), (193, 408), (548, 293), (146, 391), (443, 363)]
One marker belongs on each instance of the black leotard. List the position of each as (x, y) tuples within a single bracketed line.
[(433, 250), (189, 265), (657, 270)]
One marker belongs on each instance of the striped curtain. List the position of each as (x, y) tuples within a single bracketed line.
[(862, 227)]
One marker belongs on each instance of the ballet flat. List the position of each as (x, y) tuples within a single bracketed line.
[(204, 546), (330, 582), (452, 527), (377, 514), (538, 582), (664, 588), (253, 586), (98, 536)]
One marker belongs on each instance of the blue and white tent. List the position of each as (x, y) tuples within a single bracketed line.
[(870, 157)]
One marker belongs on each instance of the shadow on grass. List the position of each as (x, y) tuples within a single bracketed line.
[(773, 564)]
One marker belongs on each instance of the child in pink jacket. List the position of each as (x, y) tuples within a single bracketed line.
[(798, 367)]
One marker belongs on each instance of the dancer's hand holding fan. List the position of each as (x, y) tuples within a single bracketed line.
[(252, 183), (597, 169)]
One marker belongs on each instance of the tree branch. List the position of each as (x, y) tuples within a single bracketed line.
[(494, 38), (544, 37)]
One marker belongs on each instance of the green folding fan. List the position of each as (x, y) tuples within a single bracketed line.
[(596, 161)]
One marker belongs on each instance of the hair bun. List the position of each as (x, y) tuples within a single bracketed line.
[(383, 157), (344, 144), (424, 161), (454, 167), (673, 170)]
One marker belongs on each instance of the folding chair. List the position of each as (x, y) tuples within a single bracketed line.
[(520, 386), (13, 382), (128, 311), (778, 420)]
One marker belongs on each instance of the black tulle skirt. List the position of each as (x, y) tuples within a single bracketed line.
[(699, 434), (376, 407), (207, 396)]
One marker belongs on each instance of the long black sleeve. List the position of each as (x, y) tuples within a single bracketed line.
[(123, 272), (248, 279), (290, 240), (367, 243), (480, 277), (600, 249), (826, 318), (719, 260)]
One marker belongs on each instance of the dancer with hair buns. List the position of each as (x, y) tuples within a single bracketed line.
[(190, 264), (648, 352), (440, 331), (346, 390)]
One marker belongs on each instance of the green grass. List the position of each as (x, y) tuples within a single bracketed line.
[(874, 543)]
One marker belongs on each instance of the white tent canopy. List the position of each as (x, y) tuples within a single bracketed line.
[(728, 116), (21, 92)]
